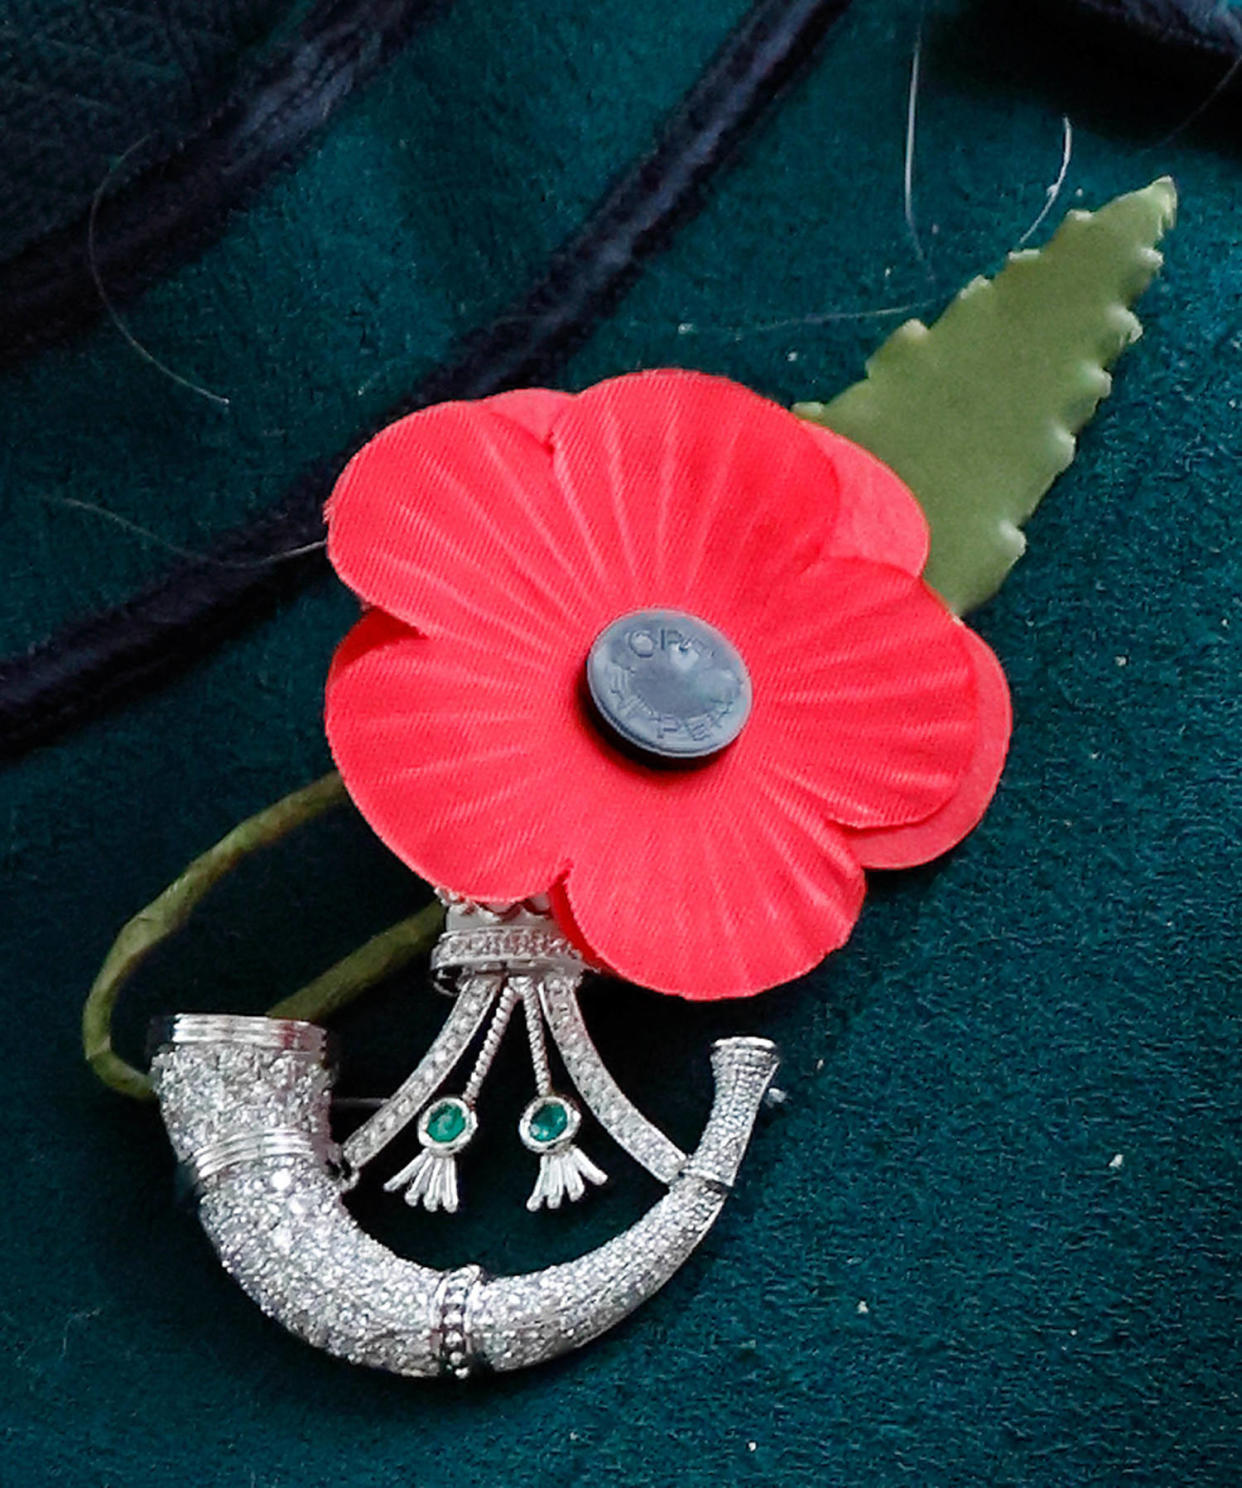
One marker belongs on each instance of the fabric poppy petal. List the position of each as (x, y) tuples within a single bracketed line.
[(690, 492), (455, 757), (743, 901), (450, 520), (498, 539), (903, 847), (867, 696), (882, 519), (535, 409)]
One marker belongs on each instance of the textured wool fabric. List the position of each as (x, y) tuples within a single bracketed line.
[(169, 192), (155, 634), (81, 85), (992, 1235)]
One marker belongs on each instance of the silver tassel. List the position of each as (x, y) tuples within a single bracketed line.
[(563, 1174), (431, 1180)]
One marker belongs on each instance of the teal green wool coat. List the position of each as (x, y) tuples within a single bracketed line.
[(992, 1235)]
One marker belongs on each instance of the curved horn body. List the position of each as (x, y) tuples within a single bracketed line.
[(247, 1103)]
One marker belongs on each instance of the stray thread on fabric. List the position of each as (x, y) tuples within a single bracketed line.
[(113, 315), (907, 176), (1058, 184), (154, 538)]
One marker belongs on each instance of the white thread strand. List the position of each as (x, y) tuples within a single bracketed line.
[(1054, 191), (146, 533), (113, 314), (912, 114)]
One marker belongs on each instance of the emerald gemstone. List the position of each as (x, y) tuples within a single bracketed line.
[(548, 1121), (446, 1122)]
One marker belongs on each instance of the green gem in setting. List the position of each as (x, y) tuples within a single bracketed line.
[(548, 1121), (446, 1122)]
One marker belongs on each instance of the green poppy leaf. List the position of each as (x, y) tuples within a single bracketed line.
[(978, 413)]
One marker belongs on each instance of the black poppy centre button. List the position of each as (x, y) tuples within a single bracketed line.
[(669, 684)]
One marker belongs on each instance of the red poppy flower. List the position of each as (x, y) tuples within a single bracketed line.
[(496, 540)]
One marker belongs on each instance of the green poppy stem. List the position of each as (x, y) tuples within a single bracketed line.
[(328, 993)]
